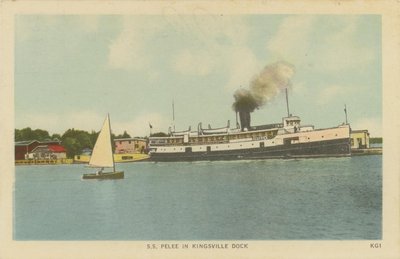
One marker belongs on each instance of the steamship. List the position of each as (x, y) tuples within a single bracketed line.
[(287, 139)]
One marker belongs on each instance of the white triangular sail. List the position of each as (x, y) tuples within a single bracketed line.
[(102, 155)]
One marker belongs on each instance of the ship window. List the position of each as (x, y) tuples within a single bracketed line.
[(261, 144), (208, 148), (188, 150)]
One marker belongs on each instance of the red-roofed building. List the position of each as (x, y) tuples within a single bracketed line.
[(39, 150), (57, 148)]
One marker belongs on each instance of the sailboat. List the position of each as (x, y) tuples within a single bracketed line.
[(102, 155)]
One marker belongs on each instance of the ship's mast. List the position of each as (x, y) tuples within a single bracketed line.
[(287, 103), (173, 114)]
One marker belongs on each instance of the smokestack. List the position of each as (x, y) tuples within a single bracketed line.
[(244, 120)]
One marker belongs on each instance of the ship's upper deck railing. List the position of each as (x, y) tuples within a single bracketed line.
[(214, 138)]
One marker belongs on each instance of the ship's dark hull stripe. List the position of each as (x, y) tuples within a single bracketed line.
[(327, 148)]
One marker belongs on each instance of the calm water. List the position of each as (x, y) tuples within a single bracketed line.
[(334, 198)]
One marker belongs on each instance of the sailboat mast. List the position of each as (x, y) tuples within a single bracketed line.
[(287, 103), (112, 153)]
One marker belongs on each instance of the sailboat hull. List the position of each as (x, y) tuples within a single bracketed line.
[(105, 176)]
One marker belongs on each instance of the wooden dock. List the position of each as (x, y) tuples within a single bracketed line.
[(44, 161), (366, 151)]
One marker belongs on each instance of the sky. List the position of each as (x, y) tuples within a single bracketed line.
[(71, 70)]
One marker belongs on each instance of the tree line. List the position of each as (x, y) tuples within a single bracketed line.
[(375, 140), (73, 140)]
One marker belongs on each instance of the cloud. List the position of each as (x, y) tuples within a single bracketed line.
[(139, 125), (243, 66), (373, 125), (222, 48), (347, 52), (214, 45), (128, 50), (193, 62), (292, 39), (331, 93), (300, 88), (208, 30), (59, 123), (300, 40), (89, 120)]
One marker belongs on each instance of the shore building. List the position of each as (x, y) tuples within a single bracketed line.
[(48, 152), (33, 149), (359, 139), (130, 145)]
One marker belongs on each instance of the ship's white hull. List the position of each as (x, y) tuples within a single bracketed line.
[(315, 143)]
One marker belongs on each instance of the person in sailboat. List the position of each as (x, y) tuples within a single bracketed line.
[(100, 171)]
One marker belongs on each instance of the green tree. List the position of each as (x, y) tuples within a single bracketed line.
[(76, 140), (17, 135), (41, 135), (159, 134), (125, 135), (93, 136), (29, 134), (72, 146), (375, 140)]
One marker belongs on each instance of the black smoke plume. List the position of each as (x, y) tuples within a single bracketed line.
[(263, 87)]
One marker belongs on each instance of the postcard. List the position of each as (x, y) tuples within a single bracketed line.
[(262, 129)]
